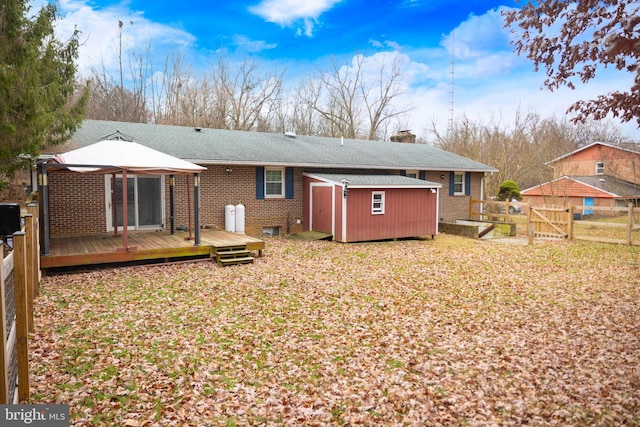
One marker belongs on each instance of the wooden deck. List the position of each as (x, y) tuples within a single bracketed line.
[(143, 245)]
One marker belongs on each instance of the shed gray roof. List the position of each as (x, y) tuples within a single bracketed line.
[(375, 180), (220, 146)]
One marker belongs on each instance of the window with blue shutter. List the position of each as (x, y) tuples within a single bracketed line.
[(289, 183), (274, 183), (467, 184), (457, 181), (452, 179), (260, 182)]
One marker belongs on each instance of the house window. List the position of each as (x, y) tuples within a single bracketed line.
[(458, 184), (274, 182), (412, 174), (377, 203), (599, 168)]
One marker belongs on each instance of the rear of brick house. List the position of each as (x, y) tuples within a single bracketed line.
[(264, 172)]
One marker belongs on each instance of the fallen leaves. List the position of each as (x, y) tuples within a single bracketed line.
[(319, 333)]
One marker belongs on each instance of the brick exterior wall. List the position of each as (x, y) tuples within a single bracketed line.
[(455, 207), (617, 162), (219, 188), (77, 201), (76, 204)]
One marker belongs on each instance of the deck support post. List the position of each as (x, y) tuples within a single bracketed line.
[(125, 216), (196, 207), (172, 203), (125, 210), (43, 191), (114, 204)]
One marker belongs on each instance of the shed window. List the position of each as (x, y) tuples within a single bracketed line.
[(458, 183), (599, 168), (377, 203), (274, 182)]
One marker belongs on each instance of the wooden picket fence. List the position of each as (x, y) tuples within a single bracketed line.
[(19, 285)]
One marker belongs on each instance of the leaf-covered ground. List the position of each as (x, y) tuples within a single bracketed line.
[(448, 331)]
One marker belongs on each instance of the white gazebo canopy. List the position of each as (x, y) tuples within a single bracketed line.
[(111, 156), (107, 156)]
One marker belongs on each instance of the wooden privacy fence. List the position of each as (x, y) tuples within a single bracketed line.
[(19, 284)]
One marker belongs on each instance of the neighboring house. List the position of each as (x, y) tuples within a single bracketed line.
[(596, 175), (269, 174)]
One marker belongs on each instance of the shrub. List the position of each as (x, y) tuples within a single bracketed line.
[(508, 191)]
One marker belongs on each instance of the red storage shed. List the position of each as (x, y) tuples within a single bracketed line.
[(356, 208)]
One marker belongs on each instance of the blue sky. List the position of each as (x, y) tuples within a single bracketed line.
[(303, 36)]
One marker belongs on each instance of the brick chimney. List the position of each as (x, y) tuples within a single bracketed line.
[(404, 136)]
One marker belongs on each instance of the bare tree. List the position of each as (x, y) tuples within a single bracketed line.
[(339, 107), (379, 97), (244, 97), (109, 101), (591, 34), (121, 99), (348, 105), (520, 150), (168, 91)]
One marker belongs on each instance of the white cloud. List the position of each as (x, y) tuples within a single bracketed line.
[(376, 43), (288, 13), (478, 35), (100, 33), (480, 47), (491, 82), (387, 43), (490, 79), (244, 43)]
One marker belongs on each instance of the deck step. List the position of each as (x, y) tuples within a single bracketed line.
[(232, 255), (233, 261)]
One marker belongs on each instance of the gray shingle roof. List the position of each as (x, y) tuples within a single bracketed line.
[(610, 184), (376, 180), (219, 146)]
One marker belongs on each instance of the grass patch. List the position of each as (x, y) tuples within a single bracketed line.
[(449, 330)]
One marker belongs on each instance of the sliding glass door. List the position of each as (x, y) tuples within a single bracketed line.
[(145, 202)]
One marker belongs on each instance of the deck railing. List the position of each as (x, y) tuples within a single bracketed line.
[(19, 284)]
